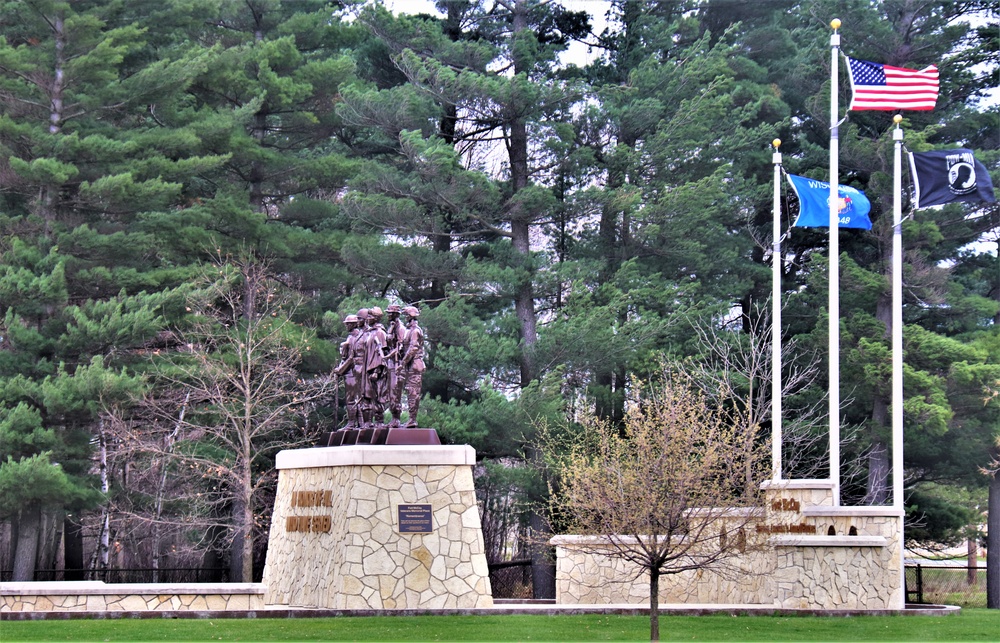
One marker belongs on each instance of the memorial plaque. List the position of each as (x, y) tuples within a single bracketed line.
[(415, 519)]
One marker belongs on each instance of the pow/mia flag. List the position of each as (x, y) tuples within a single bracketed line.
[(946, 176)]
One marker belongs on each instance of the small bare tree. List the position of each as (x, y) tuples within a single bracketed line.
[(226, 401), (677, 489), (735, 367)]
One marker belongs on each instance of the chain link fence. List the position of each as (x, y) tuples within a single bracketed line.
[(939, 585), (511, 579)]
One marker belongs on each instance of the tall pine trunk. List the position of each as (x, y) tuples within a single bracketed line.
[(877, 490), (542, 565), (73, 549), (50, 193), (27, 545)]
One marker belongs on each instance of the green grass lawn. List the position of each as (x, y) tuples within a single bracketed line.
[(969, 625)]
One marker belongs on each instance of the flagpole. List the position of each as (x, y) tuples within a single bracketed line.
[(834, 289), (776, 319), (897, 340)]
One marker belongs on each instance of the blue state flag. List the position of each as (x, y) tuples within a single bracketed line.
[(814, 209)]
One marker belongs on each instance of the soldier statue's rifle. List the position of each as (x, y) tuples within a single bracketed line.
[(336, 400)]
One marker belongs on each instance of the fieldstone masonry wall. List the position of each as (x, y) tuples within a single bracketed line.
[(336, 541), (95, 596), (819, 557), (586, 576)]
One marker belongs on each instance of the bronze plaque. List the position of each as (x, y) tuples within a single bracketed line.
[(415, 519)]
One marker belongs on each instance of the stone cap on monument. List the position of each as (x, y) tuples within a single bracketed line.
[(375, 455)]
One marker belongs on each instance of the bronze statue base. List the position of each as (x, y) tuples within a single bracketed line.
[(373, 436), (413, 436), (380, 435)]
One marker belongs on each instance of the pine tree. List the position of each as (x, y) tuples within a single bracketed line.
[(80, 166)]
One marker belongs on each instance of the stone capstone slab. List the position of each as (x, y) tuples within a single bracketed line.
[(375, 455)]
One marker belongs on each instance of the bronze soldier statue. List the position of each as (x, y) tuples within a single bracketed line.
[(373, 384), (413, 363), (395, 335), (359, 363), (346, 369)]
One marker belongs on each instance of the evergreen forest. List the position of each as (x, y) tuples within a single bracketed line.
[(194, 194)]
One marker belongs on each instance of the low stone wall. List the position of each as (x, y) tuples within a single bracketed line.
[(585, 575), (859, 566), (834, 572), (817, 556), (96, 596), (338, 541)]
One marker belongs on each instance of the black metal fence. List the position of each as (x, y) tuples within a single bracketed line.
[(164, 575), (962, 586), (511, 579)]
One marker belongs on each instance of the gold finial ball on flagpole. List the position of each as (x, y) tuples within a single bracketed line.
[(835, 23), (897, 119), (776, 143)]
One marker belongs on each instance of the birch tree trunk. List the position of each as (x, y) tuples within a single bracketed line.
[(105, 540)]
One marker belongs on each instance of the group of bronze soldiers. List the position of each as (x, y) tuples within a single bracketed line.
[(378, 363)]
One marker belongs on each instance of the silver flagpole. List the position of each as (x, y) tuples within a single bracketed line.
[(897, 341), (776, 319), (834, 294)]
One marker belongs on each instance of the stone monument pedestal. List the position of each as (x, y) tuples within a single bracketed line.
[(377, 527), (833, 557)]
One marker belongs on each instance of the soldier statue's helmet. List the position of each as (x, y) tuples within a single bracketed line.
[(362, 314), (351, 319), (374, 311), (393, 308), (412, 311)]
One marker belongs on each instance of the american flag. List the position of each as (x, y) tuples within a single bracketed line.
[(876, 86)]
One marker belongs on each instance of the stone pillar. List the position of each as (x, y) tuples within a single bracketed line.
[(832, 557), (377, 527)]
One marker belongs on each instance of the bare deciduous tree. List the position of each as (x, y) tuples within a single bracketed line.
[(230, 397), (677, 489), (735, 367)]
